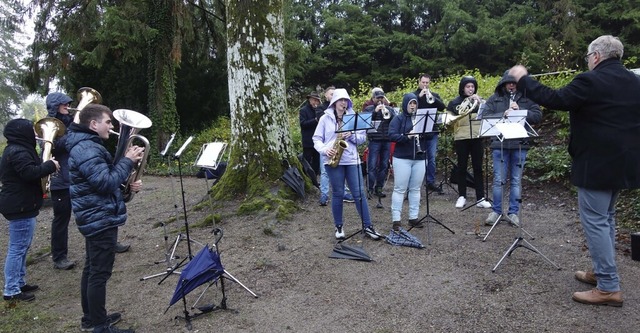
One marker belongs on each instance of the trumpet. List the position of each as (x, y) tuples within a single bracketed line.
[(131, 122), (430, 98), (86, 95), (339, 146), (47, 130), (385, 112)]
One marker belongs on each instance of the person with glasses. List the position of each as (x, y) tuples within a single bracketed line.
[(603, 105)]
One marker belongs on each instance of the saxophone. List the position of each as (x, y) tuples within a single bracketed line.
[(339, 146)]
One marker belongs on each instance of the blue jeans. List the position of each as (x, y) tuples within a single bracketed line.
[(408, 176), (324, 178), (432, 148), (100, 256), (509, 161), (353, 177), (378, 163), (15, 265), (597, 210)]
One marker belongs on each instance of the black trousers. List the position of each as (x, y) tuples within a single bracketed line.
[(464, 148), (313, 157), (61, 202), (98, 265)]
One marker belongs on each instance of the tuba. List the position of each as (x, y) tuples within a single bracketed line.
[(86, 95), (47, 130), (131, 122), (339, 145)]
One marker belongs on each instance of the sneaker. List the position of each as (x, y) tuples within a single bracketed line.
[(64, 264), (25, 297), (379, 193), (121, 248), (415, 223), (348, 198), (29, 288), (369, 231), (492, 219), (339, 232), (460, 202), (514, 220), (483, 203), (323, 199), (112, 319)]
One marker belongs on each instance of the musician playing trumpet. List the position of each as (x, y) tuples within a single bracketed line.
[(428, 99), (467, 141), (347, 168), (379, 144)]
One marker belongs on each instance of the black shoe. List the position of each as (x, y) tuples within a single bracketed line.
[(25, 297), (122, 248), (112, 319), (379, 192), (434, 188), (416, 223), (64, 264), (29, 288)]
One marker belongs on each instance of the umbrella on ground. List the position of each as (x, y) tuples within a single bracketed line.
[(293, 178), (203, 268), (403, 238), (343, 251)]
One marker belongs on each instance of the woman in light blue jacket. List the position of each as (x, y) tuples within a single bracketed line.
[(348, 167)]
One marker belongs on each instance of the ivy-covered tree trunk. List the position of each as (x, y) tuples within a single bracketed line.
[(164, 56), (259, 127)]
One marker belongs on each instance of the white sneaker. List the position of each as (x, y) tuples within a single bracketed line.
[(483, 204), (339, 232), (460, 202), (514, 220)]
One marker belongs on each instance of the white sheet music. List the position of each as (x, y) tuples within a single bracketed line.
[(422, 116), (210, 154), (512, 130)]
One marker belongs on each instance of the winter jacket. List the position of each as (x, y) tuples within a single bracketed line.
[(401, 125), (381, 132), (96, 197), (604, 116), (500, 101), (308, 123), (438, 104), (60, 180), (468, 127), (325, 135), (21, 171)]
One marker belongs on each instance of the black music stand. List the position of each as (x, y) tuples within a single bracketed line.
[(425, 119), (354, 122)]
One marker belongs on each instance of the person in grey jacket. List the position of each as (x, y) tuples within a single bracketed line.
[(508, 155), (603, 105), (98, 206), (58, 107)]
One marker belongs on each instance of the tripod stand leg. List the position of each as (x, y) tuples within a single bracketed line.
[(171, 269), (508, 252), (495, 223), (232, 278), (534, 249)]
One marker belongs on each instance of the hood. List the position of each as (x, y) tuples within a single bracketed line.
[(339, 94), (464, 81), (54, 100), (20, 131), (406, 99), (506, 78)]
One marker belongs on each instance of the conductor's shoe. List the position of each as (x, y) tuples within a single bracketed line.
[(371, 233), (122, 248), (29, 288), (586, 277), (492, 218), (25, 297), (112, 319), (596, 296), (64, 264)]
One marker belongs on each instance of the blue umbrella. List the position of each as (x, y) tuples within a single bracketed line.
[(203, 268)]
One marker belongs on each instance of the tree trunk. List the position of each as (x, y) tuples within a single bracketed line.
[(259, 127)]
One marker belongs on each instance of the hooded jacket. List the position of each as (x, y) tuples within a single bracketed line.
[(467, 127), (96, 197), (20, 172), (59, 180), (325, 135), (401, 125), (500, 101)]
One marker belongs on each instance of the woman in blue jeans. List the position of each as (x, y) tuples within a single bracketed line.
[(409, 166), (20, 200), (348, 168)]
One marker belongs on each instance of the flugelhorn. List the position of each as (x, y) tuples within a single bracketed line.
[(131, 122), (85, 95), (48, 129)]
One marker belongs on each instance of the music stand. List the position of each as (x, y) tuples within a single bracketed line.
[(355, 122), (210, 157), (424, 122)]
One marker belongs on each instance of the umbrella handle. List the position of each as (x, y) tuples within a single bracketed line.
[(218, 232)]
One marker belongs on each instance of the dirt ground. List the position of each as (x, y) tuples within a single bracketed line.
[(447, 287)]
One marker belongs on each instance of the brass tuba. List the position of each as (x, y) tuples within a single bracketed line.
[(47, 130), (339, 145), (86, 95), (131, 122)]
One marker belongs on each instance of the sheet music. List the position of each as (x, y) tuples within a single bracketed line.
[(512, 130), (423, 116), (211, 154), (356, 121)]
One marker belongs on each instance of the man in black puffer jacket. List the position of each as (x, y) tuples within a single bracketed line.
[(98, 206)]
